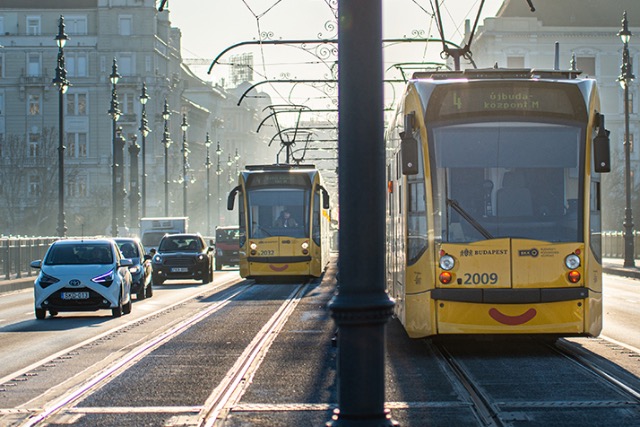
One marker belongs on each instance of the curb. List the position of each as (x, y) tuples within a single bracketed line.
[(16, 284)]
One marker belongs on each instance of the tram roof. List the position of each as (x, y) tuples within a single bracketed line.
[(498, 73)]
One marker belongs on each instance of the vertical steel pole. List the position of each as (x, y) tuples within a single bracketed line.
[(628, 215), (62, 227), (361, 308)]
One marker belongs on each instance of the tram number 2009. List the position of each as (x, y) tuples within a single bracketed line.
[(480, 278)]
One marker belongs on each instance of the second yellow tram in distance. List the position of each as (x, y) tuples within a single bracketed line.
[(494, 203), (284, 218)]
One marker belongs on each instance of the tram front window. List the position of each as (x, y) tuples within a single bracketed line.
[(278, 212), (518, 180)]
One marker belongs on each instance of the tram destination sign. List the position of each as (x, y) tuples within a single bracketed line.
[(279, 179), (506, 98)]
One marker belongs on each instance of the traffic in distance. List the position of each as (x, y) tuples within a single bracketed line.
[(92, 274)]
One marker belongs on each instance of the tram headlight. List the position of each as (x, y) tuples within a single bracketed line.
[(253, 248), (305, 248), (445, 277), (572, 261), (447, 262), (574, 276)]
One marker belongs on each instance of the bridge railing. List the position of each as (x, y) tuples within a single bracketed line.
[(613, 244), (16, 254)]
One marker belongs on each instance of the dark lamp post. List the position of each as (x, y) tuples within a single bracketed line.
[(218, 172), (114, 112), (144, 131), (166, 141), (625, 79), (61, 82), (185, 157), (207, 164)]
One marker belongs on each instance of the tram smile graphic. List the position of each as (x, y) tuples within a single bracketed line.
[(275, 268), (512, 320)]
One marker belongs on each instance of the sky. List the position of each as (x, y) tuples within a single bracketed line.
[(210, 26)]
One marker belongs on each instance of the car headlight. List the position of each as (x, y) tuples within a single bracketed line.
[(135, 269), (201, 258), (157, 259), (105, 279), (46, 280)]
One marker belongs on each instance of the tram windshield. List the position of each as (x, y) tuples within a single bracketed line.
[(278, 212), (508, 179)]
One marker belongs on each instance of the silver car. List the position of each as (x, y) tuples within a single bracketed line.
[(82, 275)]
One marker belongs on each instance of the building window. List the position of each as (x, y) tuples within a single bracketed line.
[(77, 187), (1, 65), (76, 144), (1, 24), (34, 104), (34, 185), (76, 64), (34, 65), (125, 24), (33, 25), (515, 61), (75, 25), (631, 142), (125, 64), (1, 104), (34, 144), (76, 104), (586, 64), (127, 103)]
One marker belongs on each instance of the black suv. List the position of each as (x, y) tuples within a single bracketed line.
[(183, 256)]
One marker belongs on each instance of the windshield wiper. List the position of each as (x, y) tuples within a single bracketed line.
[(471, 220)]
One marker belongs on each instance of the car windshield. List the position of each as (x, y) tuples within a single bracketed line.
[(79, 253), (180, 244), (227, 235), (128, 249)]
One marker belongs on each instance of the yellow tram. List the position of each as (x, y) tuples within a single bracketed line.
[(494, 203), (284, 221)]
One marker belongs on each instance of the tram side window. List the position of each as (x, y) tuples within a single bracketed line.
[(316, 217), (595, 221), (416, 213)]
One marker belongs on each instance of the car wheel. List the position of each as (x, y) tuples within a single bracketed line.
[(117, 312), (41, 313), (218, 266), (157, 281), (149, 290), (126, 308)]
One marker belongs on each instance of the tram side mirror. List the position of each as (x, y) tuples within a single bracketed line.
[(409, 154), (325, 198), (601, 154), (232, 198)]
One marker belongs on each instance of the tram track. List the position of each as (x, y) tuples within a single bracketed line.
[(221, 400), (535, 381)]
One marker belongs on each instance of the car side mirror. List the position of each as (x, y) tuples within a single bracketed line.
[(36, 264), (126, 262)]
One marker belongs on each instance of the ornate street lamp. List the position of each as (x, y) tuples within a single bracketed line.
[(185, 158), (114, 111), (144, 131), (218, 172), (61, 82), (166, 141), (207, 164), (625, 79)]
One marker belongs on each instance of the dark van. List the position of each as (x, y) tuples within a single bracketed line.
[(227, 246)]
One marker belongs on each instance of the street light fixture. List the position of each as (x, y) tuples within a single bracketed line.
[(625, 79), (114, 111), (218, 172), (166, 141), (144, 131), (185, 155), (207, 164), (62, 84)]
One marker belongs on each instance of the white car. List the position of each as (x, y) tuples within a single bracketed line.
[(82, 275)]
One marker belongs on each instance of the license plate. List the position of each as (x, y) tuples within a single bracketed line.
[(179, 269), (75, 295)]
